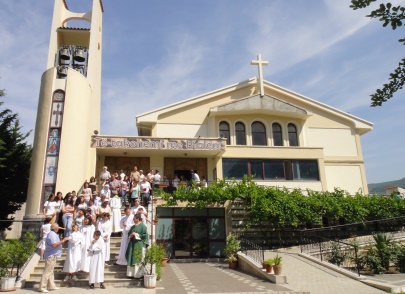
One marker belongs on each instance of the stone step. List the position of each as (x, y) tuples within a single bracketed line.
[(58, 268), (85, 283), (113, 255), (82, 275)]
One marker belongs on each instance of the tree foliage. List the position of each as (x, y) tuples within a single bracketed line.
[(15, 160), (394, 16)]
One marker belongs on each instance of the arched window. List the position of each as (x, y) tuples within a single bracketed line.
[(224, 131), (292, 135), (259, 134), (277, 135), (240, 133)]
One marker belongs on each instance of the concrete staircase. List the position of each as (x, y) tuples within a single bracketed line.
[(114, 275)]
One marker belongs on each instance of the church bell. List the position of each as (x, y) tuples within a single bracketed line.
[(64, 54), (62, 71), (79, 55)]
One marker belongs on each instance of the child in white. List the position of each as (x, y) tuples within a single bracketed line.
[(45, 229), (88, 231), (96, 251), (104, 226), (74, 254)]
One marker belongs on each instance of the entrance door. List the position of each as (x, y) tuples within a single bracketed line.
[(190, 237), (191, 232), (115, 164), (171, 165)]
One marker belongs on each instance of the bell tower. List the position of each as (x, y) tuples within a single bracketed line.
[(68, 107)]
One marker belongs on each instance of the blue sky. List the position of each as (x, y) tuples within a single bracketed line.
[(161, 52)]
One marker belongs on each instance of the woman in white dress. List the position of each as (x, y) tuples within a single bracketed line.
[(126, 223), (74, 254), (50, 208), (87, 231), (104, 226), (115, 205), (86, 192)]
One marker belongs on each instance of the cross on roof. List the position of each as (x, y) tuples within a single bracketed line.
[(259, 62)]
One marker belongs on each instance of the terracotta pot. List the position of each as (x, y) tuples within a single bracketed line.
[(155, 221), (155, 200), (164, 261), (233, 265), (277, 269), (263, 265), (269, 269)]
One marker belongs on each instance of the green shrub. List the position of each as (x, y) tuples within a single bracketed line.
[(15, 252), (337, 256)]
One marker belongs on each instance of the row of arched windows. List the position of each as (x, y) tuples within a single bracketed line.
[(259, 136)]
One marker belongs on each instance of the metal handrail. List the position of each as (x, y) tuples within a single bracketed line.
[(255, 250)]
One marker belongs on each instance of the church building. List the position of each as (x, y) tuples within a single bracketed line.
[(252, 127)]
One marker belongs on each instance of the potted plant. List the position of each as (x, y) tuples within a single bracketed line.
[(268, 264), (232, 247), (152, 263), (156, 219), (13, 254), (277, 267)]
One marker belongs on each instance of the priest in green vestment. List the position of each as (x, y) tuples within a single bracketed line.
[(138, 238)]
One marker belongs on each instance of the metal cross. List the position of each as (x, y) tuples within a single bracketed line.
[(259, 62)]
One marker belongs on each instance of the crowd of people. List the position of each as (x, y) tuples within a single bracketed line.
[(87, 222)]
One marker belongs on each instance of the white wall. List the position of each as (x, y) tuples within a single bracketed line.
[(346, 177), (181, 130), (336, 142)]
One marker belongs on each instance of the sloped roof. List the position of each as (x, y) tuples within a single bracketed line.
[(252, 101), (257, 103)]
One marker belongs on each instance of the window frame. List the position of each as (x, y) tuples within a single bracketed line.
[(222, 135), (295, 134), (238, 131), (275, 133), (255, 133)]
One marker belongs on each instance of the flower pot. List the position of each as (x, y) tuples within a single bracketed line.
[(149, 281), (7, 284), (263, 265), (155, 221), (269, 268), (233, 265), (277, 269), (155, 200), (164, 261)]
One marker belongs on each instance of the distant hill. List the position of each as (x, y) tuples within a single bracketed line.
[(378, 188)]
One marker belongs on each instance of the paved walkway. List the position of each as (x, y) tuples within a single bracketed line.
[(305, 275), (212, 278)]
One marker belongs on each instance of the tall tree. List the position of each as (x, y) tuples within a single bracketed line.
[(389, 15), (15, 160)]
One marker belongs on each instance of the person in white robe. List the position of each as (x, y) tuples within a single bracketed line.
[(115, 205), (96, 252), (127, 221), (104, 226), (87, 230), (74, 254), (45, 229)]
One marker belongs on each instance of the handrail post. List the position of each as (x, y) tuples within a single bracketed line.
[(320, 250)]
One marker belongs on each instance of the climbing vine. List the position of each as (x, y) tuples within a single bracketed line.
[(284, 207)]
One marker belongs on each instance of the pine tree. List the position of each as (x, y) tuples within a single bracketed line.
[(15, 160)]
